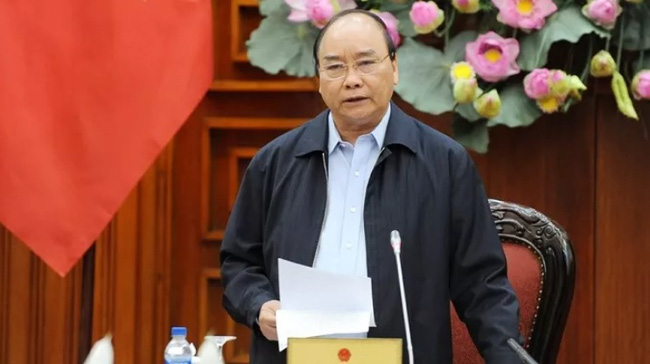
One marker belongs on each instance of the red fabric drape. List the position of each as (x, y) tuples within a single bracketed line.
[(90, 93)]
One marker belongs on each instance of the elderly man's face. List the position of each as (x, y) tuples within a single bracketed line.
[(359, 96)]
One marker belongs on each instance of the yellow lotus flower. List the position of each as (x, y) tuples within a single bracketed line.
[(461, 71), (466, 6), (465, 90), (565, 85), (549, 104), (488, 105), (602, 64)]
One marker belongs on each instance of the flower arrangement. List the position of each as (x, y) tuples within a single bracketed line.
[(486, 61)]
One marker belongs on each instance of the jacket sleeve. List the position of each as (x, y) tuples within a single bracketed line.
[(480, 290), (246, 284)]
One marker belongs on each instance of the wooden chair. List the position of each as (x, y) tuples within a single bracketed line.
[(541, 268)]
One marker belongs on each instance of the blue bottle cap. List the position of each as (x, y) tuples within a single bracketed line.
[(179, 331)]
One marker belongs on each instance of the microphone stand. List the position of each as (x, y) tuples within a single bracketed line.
[(396, 243), (523, 355)]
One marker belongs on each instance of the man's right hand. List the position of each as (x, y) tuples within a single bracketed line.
[(266, 319)]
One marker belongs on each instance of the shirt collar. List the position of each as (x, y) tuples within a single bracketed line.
[(401, 130), (379, 133)]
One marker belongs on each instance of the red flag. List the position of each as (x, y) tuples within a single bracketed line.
[(90, 93)]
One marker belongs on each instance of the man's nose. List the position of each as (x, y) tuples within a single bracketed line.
[(352, 79)]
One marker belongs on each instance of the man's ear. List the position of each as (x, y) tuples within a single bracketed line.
[(395, 71)]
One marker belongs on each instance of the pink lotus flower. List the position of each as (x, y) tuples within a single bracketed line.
[(602, 12), (524, 14), (493, 57), (426, 16), (559, 84), (392, 25), (319, 12), (641, 85), (551, 88), (536, 83)]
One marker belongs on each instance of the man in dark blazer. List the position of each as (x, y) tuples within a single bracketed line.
[(328, 193)]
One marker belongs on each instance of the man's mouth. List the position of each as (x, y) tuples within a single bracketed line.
[(355, 99)]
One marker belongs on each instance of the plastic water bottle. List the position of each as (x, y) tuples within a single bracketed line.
[(178, 350)]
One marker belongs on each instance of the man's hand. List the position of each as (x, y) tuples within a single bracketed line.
[(266, 319)]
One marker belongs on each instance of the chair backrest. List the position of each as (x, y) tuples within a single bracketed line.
[(541, 269)]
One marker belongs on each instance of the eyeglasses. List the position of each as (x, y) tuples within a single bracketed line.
[(362, 66)]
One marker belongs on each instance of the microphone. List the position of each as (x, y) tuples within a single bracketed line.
[(523, 355), (396, 243)]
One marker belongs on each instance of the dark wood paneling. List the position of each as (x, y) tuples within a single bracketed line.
[(231, 73), (622, 239), (39, 310), (132, 273), (5, 264), (550, 167), (187, 232), (245, 109)]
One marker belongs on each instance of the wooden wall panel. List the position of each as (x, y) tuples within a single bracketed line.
[(245, 109), (622, 239), (5, 265), (234, 20), (227, 146), (39, 310), (188, 231), (550, 167), (132, 272)]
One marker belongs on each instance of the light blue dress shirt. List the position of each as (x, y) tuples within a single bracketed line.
[(342, 245)]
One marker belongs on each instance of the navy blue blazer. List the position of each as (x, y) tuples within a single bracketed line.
[(426, 186)]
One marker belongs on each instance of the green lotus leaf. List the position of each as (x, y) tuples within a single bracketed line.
[(635, 21), (516, 108), (468, 112), (424, 73), (279, 45), (269, 6), (473, 135), (567, 24)]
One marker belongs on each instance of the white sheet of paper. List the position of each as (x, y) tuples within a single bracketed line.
[(303, 324), (317, 303)]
